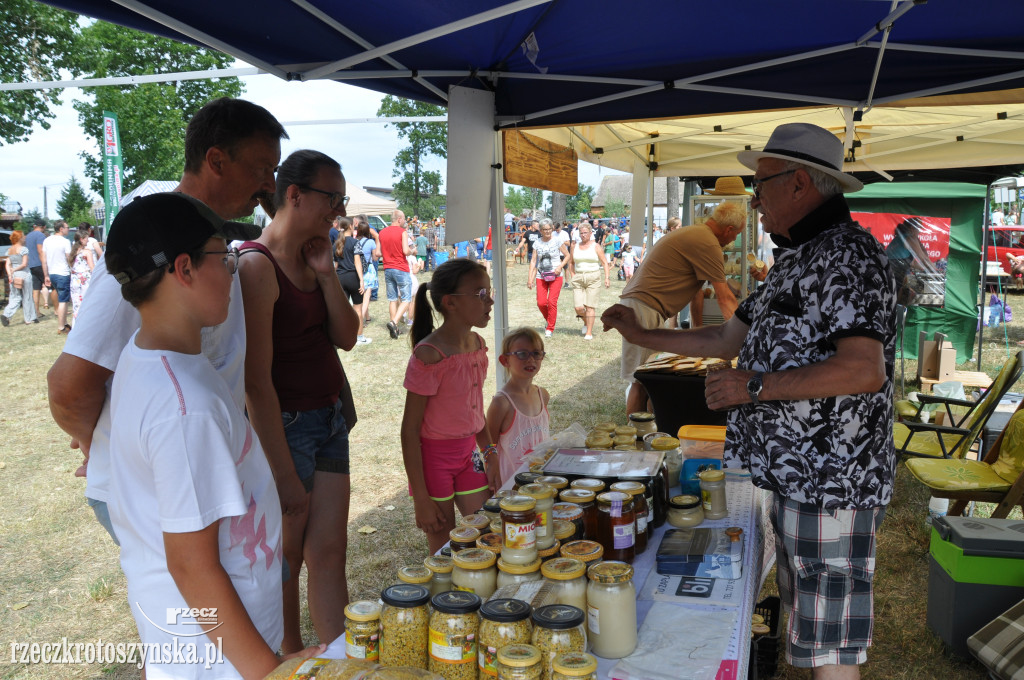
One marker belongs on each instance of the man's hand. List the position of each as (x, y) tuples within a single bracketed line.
[(727, 388), (623, 319)]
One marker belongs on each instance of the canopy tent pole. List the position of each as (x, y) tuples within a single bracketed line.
[(985, 235), (499, 273)]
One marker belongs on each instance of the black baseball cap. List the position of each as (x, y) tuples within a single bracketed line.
[(151, 231)]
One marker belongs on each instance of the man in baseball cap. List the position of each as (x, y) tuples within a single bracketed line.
[(810, 401)]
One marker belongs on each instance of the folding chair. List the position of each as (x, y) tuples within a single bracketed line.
[(999, 478), (954, 440)]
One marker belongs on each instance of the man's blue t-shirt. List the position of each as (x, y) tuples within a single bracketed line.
[(460, 248), (34, 238)]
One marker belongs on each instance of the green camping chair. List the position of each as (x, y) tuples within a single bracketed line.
[(953, 441)]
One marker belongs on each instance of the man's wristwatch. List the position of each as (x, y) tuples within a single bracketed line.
[(754, 386)]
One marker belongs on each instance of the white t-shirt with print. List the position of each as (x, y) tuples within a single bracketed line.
[(56, 249), (104, 325), (184, 457)]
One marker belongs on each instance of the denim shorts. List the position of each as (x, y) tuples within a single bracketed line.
[(399, 285), (62, 285), (318, 440)]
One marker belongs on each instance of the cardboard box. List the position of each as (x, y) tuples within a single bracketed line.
[(936, 359)]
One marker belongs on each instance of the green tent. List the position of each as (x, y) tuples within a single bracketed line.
[(964, 205)]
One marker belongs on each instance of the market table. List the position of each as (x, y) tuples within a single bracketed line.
[(748, 509), (678, 400)]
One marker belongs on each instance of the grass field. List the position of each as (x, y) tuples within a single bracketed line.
[(59, 573)]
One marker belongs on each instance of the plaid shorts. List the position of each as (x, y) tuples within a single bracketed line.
[(825, 565)]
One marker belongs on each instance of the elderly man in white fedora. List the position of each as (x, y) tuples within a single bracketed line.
[(811, 398)]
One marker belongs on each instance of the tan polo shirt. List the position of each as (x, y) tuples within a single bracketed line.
[(676, 268)]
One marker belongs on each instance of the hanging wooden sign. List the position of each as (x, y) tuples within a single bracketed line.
[(531, 161)]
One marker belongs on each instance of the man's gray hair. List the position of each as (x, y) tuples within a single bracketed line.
[(826, 184), (730, 214), (545, 221)]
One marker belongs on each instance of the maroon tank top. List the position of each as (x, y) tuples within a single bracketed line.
[(306, 370)]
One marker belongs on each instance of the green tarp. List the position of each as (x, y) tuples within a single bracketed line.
[(964, 204)]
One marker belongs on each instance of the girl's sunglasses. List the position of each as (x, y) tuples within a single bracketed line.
[(524, 354)]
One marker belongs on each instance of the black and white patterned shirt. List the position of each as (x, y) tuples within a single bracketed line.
[(831, 281)]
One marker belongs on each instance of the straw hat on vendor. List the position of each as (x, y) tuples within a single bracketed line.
[(728, 186)]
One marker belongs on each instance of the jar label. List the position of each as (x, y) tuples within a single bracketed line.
[(520, 535), (622, 536), (361, 646), (463, 588), (641, 524), (452, 648), (706, 498), (593, 619), (488, 660), (543, 526), (309, 668), (616, 509)]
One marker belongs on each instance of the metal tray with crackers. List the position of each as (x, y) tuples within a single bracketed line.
[(683, 365)]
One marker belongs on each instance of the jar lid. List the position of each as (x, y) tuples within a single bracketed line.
[(545, 553), (537, 491), (496, 526), (405, 595), (624, 440), (474, 558), (518, 503), (605, 427), (476, 521), (504, 493), (563, 528), (625, 447), (362, 610), (625, 430), (584, 550), (588, 483), (492, 505), (641, 416), (567, 511), (610, 571), (632, 488), (574, 664), (414, 573), (609, 497), (526, 477), (712, 476), (553, 480), (505, 610), (439, 564), (464, 534), (527, 568), (577, 496), (664, 443), (446, 551), (519, 656), (456, 602), (598, 440), (490, 541), (563, 568), (558, 616), (684, 501)]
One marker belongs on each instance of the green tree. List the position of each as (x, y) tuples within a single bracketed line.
[(523, 199), (29, 219), (580, 203), (73, 205), (417, 190), (36, 41), (615, 207), (152, 117)]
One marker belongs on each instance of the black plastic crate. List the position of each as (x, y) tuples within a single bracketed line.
[(764, 650)]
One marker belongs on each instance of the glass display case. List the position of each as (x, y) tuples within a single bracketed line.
[(737, 264)]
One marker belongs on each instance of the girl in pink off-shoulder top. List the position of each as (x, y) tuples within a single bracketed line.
[(443, 421)]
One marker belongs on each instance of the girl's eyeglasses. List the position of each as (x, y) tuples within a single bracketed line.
[(484, 294), (524, 354), (230, 258)]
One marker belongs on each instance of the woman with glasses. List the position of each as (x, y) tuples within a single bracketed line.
[(550, 256), (296, 314), (517, 418)]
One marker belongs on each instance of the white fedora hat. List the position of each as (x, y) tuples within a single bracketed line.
[(808, 144)]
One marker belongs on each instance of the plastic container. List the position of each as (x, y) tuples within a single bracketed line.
[(586, 500), (568, 579), (764, 649), (454, 626), (401, 672), (474, 572), (362, 630), (574, 666), (502, 622), (557, 629), (520, 662), (404, 628), (702, 441), (343, 669), (544, 496), (685, 511), (519, 529), (611, 610), (689, 478), (517, 573), (712, 491), (441, 573)]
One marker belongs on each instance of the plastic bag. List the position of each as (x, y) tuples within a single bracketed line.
[(572, 437), (1007, 313)]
